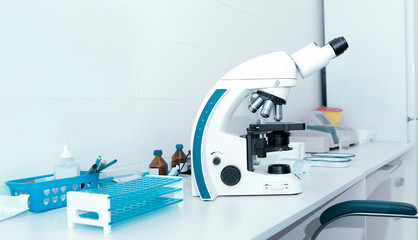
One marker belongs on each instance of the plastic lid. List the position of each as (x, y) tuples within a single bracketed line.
[(158, 152), (65, 153), (329, 109), (179, 146)]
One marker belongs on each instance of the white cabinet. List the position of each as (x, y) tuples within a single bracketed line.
[(396, 181), (387, 183)]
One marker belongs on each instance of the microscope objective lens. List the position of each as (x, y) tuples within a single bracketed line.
[(256, 104), (278, 113), (266, 109)]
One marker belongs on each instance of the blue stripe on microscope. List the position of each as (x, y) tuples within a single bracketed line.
[(197, 143)]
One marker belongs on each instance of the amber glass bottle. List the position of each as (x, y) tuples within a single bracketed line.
[(159, 163), (178, 157)]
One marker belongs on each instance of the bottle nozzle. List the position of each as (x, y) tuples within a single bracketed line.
[(65, 153)]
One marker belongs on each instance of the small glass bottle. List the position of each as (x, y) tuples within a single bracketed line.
[(66, 167), (158, 166), (178, 157)]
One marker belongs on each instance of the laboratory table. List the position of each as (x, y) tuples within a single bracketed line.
[(237, 217)]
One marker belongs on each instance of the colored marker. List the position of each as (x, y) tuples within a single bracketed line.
[(99, 158), (109, 164), (102, 164), (92, 169)]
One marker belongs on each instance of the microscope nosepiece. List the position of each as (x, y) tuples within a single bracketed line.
[(256, 104), (266, 109)]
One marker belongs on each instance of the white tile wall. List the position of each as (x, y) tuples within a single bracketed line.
[(162, 19), (122, 78), (171, 70)]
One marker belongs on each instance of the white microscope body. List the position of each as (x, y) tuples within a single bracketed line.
[(222, 160)]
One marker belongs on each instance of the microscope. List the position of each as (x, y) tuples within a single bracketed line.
[(224, 160)]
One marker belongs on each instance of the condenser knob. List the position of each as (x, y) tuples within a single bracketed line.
[(216, 160)]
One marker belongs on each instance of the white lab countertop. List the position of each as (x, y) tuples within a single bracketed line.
[(237, 217)]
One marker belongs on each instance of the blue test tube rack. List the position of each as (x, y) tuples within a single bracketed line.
[(118, 202)]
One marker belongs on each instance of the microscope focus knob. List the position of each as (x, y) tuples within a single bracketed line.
[(279, 169), (230, 175)]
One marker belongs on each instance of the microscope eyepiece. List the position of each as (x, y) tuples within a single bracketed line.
[(312, 57), (339, 45)]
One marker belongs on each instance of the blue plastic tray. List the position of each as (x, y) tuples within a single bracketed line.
[(51, 194)]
